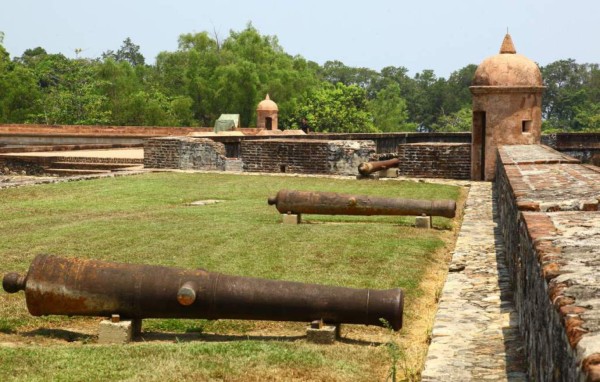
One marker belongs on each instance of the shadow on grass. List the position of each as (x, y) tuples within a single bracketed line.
[(205, 337), (149, 336), (60, 334)]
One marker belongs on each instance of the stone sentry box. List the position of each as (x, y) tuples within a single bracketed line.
[(507, 100)]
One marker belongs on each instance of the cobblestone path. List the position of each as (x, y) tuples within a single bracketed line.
[(475, 335)]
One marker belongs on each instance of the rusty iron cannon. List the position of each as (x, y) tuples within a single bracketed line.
[(77, 287), (367, 168), (331, 203)]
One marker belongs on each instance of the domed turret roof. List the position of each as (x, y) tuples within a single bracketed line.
[(508, 69), (267, 105)]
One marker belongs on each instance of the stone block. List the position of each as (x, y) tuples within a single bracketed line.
[(323, 335), (291, 218), (368, 177), (423, 222), (120, 332), (389, 173)]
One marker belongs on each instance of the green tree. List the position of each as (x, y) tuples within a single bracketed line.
[(336, 72), (458, 95), (458, 121), (128, 52), (336, 109), (389, 110), (587, 117), (565, 91), (71, 92), (18, 89), (429, 99), (31, 57)]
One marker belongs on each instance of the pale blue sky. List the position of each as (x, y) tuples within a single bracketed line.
[(442, 35)]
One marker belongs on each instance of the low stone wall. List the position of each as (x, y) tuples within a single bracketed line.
[(185, 153), (435, 160), (13, 166), (305, 156), (583, 146), (388, 142), (548, 207), (271, 155)]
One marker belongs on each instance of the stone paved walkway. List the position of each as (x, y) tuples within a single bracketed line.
[(475, 335)]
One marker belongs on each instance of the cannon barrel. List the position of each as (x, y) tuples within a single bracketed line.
[(77, 287), (367, 168), (331, 203)]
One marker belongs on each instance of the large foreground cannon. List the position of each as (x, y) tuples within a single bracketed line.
[(367, 168), (331, 203), (77, 287)]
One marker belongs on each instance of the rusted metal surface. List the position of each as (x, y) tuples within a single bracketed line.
[(367, 168), (331, 203), (61, 286)]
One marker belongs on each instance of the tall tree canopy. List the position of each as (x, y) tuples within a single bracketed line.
[(207, 76)]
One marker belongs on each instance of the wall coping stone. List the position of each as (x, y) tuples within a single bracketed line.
[(532, 154)]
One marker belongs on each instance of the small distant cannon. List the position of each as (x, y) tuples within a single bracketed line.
[(77, 287), (331, 203), (367, 168)]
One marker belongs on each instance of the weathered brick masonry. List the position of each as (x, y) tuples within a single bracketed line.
[(548, 206), (305, 156), (435, 160), (583, 146), (271, 155), (185, 153)]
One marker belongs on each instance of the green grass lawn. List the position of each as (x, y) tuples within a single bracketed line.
[(148, 219)]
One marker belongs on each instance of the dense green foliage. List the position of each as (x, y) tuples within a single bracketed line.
[(571, 101), (207, 76)]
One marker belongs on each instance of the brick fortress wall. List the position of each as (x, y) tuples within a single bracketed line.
[(305, 156), (435, 160), (186, 153), (272, 155), (549, 217)]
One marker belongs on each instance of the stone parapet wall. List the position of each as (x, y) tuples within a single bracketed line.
[(435, 160), (305, 156), (548, 207), (583, 146), (270, 155), (202, 154), (184, 153), (162, 153)]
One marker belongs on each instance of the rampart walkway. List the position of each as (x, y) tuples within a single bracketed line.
[(475, 335)]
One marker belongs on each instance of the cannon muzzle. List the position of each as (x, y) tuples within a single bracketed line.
[(367, 168), (77, 287), (331, 203)]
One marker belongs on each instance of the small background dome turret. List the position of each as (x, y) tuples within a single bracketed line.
[(266, 114), (267, 105)]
